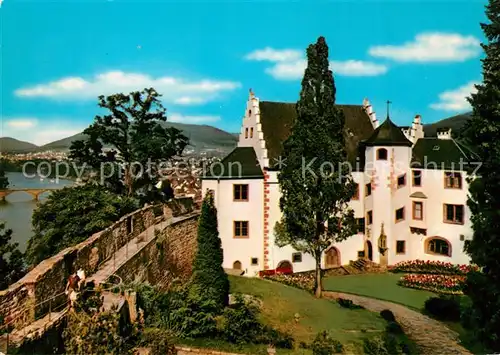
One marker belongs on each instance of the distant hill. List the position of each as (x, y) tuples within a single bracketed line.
[(63, 144), (201, 137), (8, 144), (204, 137), (456, 123)]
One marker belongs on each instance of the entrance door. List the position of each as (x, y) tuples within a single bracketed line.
[(370, 250), (332, 258), (285, 265), (237, 265)]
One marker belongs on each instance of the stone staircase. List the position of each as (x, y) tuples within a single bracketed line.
[(361, 266)]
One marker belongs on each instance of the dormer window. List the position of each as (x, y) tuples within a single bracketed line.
[(246, 133), (382, 154), (251, 132)]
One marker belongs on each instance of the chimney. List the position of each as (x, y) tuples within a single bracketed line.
[(444, 133), (417, 129), (369, 111)]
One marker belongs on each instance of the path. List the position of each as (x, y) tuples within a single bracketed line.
[(431, 337), (123, 254)]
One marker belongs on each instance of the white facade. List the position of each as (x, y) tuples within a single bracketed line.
[(423, 232)]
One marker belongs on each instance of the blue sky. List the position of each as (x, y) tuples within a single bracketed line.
[(203, 56)]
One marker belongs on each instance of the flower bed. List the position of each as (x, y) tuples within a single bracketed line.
[(446, 284), (304, 281), (277, 271), (432, 267)]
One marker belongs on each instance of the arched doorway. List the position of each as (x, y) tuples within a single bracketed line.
[(237, 265), (285, 264), (332, 258), (369, 250)]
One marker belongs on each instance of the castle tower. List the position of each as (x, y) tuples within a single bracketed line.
[(387, 171)]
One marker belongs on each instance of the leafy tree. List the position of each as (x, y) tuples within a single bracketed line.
[(71, 215), (315, 191), (12, 266), (138, 142), (209, 279), (91, 331), (483, 130), (4, 180)]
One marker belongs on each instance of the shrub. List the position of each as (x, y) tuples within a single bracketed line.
[(276, 338), (375, 346), (443, 308), (323, 344), (239, 322), (348, 304), (159, 341), (195, 318), (394, 328), (387, 344), (387, 315)]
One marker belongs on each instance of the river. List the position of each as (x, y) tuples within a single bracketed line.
[(19, 206)]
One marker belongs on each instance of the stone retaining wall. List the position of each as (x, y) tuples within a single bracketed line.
[(48, 279), (167, 256)]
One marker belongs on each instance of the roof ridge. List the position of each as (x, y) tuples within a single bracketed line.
[(458, 144)]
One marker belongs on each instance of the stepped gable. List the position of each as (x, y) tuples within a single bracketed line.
[(277, 119), (388, 134)]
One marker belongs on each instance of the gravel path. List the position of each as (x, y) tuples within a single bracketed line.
[(431, 337)]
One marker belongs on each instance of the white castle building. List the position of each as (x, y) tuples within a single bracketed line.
[(411, 201)]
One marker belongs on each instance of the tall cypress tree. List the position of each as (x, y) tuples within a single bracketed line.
[(315, 191), (209, 280), (483, 131)]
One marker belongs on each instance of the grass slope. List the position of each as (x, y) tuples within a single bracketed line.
[(281, 303), (8, 144), (381, 286)]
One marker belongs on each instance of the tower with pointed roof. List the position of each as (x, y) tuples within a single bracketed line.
[(387, 154)]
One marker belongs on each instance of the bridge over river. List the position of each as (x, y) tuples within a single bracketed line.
[(35, 193)]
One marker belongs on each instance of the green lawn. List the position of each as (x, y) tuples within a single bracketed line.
[(381, 286), (281, 303)]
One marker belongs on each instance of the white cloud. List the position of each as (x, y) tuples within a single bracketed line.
[(289, 64), (201, 119), (274, 55), (357, 68), (188, 100), (173, 89), (455, 100), (288, 71), (21, 123), (37, 131), (431, 47)]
